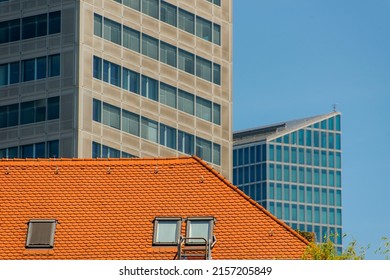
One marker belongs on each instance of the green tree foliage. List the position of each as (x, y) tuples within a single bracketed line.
[(384, 249), (327, 251)]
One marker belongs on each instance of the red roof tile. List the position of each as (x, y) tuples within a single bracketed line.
[(105, 209)]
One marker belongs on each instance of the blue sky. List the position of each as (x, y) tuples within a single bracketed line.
[(295, 59)]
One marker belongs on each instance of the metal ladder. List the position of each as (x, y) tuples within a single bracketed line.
[(194, 248)]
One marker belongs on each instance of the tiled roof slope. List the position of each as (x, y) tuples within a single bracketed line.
[(105, 209)]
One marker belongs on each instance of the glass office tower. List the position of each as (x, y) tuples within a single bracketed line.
[(116, 78), (293, 169)]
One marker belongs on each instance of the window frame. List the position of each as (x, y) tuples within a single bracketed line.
[(210, 220), (155, 230), (30, 233)]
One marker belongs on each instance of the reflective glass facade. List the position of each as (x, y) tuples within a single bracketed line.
[(146, 78), (295, 174)]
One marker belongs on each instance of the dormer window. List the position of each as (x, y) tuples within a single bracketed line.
[(40, 233), (166, 231), (200, 230)]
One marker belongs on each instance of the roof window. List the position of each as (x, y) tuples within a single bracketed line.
[(200, 230), (40, 233), (166, 231)]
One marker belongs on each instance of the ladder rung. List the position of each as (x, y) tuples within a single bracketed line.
[(193, 255), (194, 249)]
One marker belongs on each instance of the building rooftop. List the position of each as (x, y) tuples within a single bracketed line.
[(270, 132), (105, 208)]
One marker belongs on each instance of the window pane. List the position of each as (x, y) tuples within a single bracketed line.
[(338, 160), (112, 31), (111, 115), (97, 67), (168, 136), (14, 30), (41, 67), (186, 102), (168, 95), (186, 21), (40, 234), (130, 122), (316, 157), (115, 74), (40, 110), (203, 108), (150, 7), (323, 140), (203, 28), (324, 178), (150, 46), (294, 195), (199, 229), (316, 177), (27, 151), (53, 108), (40, 150), (168, 54), (13, 115), (108, 152), (216, 154), (135, 4), (131, 81), (166, 231), (309, 157), (185, 143), (150, 88), (106, 71), (53, 149), (4, 32), (27, 112), (54, 65), (216, 34), (168, 13), (216, 114), (3, 74), (97, 110), (203, 68), (338, 141), (97, 26), (186, 61), (96, 150), (41, 25), (338, 123), (286, 154), (28, 70), (324, 159), (203, 149), (331, 141), (149, 129), (217, 74), (55, 22), (28, 27), (131, 39), (3, 116), (14, 73)]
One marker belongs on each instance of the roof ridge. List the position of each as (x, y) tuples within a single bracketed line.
[(251, 200), (89, 160)]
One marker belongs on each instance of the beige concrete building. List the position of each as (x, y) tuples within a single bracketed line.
[(116, 78)]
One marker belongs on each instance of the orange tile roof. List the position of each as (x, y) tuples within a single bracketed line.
[(105, 209)]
